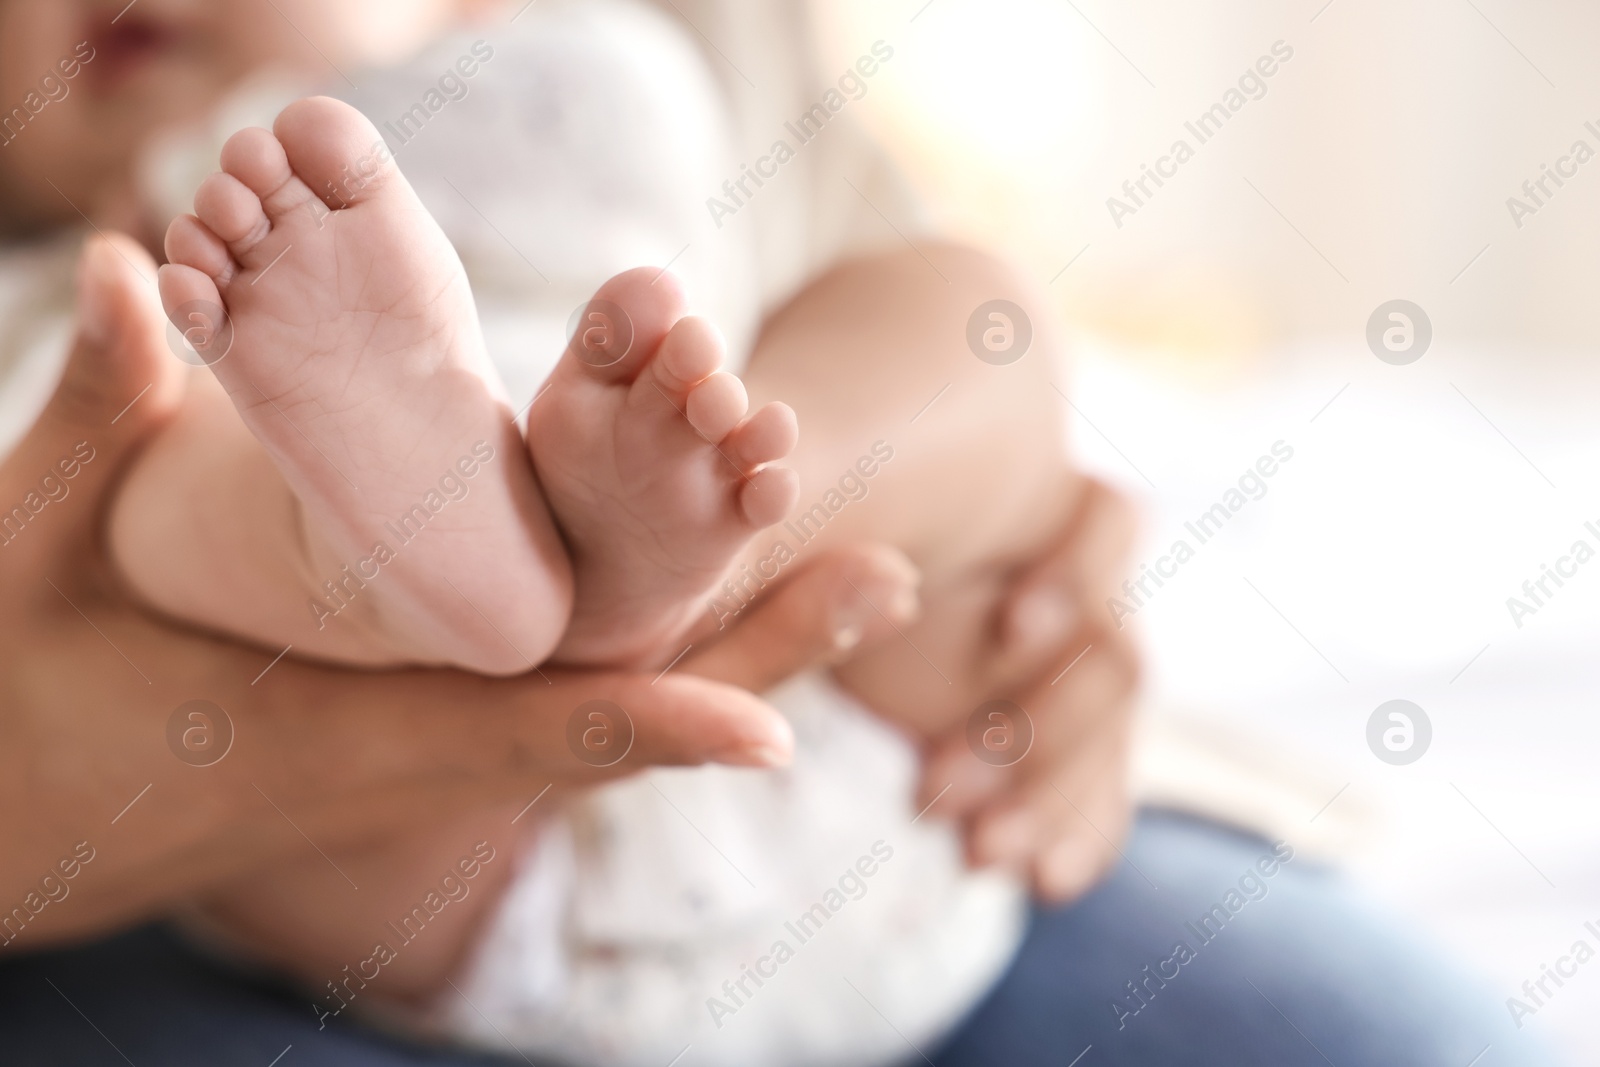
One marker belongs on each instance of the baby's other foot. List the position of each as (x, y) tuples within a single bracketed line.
[(357, 361), (655, 472)]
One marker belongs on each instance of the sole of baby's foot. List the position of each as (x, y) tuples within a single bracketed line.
[(337, 316), (654, 467)]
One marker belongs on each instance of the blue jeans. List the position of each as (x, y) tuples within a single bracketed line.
[(1283, 970), (1300, 974)]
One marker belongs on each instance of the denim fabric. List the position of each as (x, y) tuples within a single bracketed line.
[(1295, 973)]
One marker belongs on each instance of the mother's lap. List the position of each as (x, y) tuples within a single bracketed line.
[(1286, 970)]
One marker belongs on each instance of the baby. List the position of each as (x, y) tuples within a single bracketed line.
[(347, 481)]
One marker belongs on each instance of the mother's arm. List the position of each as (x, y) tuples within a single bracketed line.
[(89, 685)]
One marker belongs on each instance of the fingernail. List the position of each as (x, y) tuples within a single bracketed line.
[(1063, 872), (894, 596), (1044, 615), (774, 750), (848, 635), (760, 756), (771, 756), (94, 291), (851, 614), (859, 611), (905, 605), (1057, 871)]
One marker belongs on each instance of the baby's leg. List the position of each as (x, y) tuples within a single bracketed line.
[(877, 351), (399, 519)]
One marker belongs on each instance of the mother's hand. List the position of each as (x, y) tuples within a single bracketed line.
[(1058, 813), (89, 684)]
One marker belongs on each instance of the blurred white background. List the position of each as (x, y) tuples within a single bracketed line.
[(1391, 140), (1231, 312)]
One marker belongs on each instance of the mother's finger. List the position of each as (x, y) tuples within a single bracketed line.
[(1089, 682), (840, 601), (1078, 856), (119, 354), (346, 751), (343, 757), (1068, 677), (1066, 589), (120, 382), (1064, 823)]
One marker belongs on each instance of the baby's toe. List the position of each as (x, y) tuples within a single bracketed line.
[(232, 212), (258, 160), (193, 305), (334, 149), (716, 405), (191, 243), (769, 495), (622, 327), (691, 352), (765, 437)]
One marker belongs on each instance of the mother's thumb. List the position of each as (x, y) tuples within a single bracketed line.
[(120, 379)]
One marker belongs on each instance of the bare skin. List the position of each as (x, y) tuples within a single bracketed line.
[(94, 737), (859, 352), (399, 520), (90, 682), (979, 491)]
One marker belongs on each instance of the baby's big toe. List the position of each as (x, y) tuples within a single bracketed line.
[(334, 150), (623, 326)]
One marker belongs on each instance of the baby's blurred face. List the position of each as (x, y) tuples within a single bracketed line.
[(157, 63)]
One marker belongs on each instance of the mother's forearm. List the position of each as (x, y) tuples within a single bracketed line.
[(318, 758), (323, 759)]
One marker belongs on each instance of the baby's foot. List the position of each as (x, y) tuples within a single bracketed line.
[(652, 468), (357, 361)]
